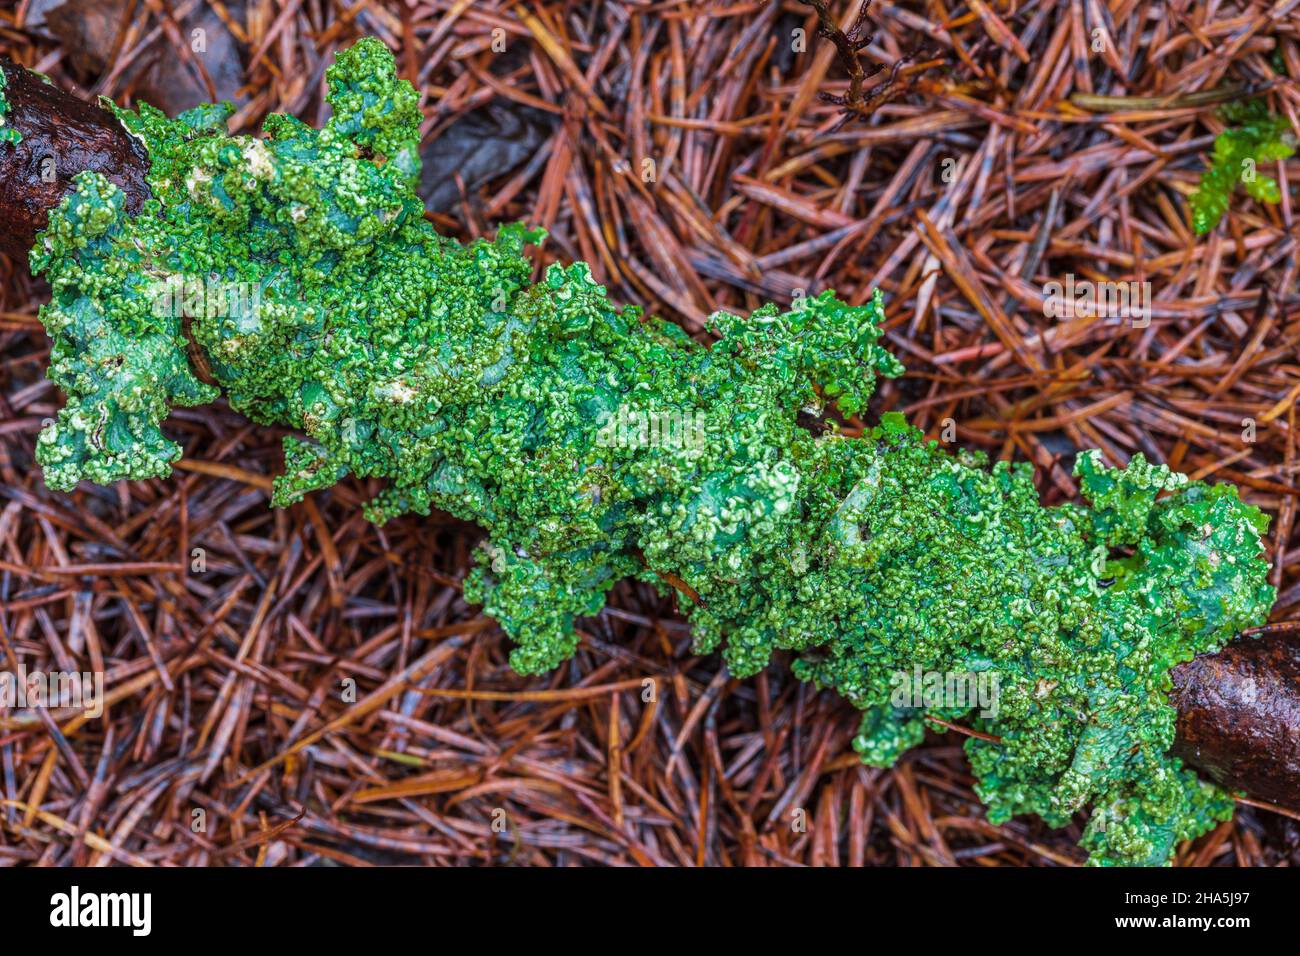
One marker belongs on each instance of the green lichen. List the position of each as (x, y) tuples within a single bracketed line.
[(391, 351), (7, 133), (1253, 137)]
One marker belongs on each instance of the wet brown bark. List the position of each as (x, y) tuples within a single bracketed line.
[(1239, 716), (61, 136), (1238, 710)]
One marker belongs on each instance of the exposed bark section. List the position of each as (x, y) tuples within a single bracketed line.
[(62, 136), (1238, 710), (1239, 716)]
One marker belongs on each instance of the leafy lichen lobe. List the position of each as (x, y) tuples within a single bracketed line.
[(393, 352), (8, 134)]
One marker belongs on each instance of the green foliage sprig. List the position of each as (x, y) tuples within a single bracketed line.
[(1253, 137), (394, 352)]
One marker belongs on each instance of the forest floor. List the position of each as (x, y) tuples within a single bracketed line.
[(685, 151)]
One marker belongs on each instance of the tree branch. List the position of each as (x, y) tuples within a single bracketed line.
[(1238, 710), (61, 136)]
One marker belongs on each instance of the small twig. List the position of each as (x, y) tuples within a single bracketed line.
[(855, 104), (1261, 805), (991, 738), (1119, 104), (1279, 627)]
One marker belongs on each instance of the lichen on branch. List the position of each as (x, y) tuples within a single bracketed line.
[(393, 352)]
